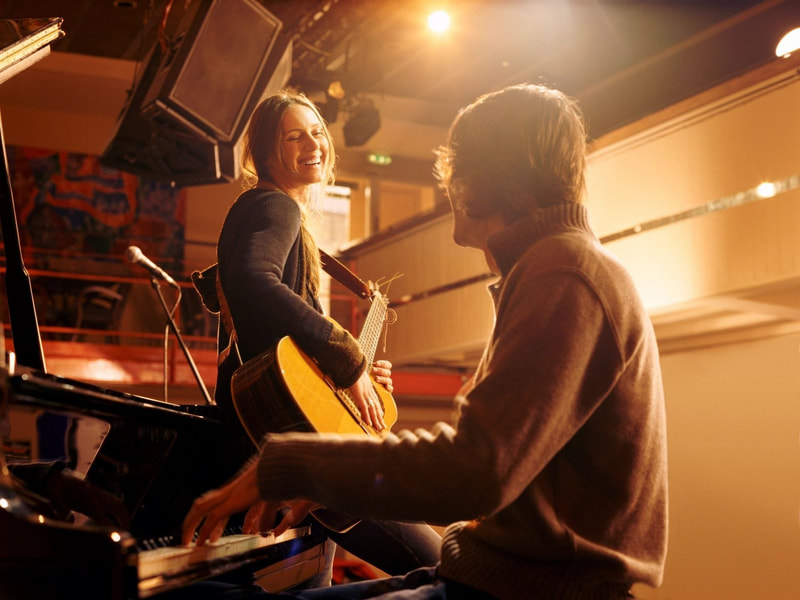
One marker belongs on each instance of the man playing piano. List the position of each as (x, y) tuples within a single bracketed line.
[(553, 478)]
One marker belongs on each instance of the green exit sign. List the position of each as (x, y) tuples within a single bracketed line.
[(379, 159)]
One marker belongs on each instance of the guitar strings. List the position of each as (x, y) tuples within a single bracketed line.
[(381, 282), (391, 314)]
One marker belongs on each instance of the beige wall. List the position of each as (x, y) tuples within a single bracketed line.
[(734, 460), (399, 201), (710, 153)]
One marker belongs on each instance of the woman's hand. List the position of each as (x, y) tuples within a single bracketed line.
[(382, 373), (367, 402)]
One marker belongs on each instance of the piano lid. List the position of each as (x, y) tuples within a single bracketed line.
[(22, 43)]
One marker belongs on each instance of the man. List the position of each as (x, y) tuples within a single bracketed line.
[(554, 477)]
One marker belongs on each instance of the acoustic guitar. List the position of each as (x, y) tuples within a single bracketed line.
[(283, 389)]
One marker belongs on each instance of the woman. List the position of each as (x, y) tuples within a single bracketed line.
[(269, 271)]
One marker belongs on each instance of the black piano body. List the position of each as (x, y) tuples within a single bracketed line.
[(156, 457)]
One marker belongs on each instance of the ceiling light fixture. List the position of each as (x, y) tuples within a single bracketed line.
[(766, 190), (336, 89), (439, 21), (789, 43)]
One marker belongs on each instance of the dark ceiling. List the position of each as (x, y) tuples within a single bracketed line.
[(621, 59)]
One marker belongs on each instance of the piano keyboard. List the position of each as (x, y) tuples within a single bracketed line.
[(157, 567)]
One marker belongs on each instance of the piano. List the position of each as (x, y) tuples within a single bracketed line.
[(155, 457)]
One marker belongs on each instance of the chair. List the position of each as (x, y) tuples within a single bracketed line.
[(97, 308)]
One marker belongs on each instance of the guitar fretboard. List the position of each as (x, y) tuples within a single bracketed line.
[(373, 326)]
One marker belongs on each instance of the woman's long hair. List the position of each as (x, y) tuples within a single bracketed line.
[(262, 149)]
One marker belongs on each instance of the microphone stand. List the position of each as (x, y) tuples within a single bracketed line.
[(172, 325)]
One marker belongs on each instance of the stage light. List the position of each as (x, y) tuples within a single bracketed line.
[(439, 21), (766, 190), (789, 43), (336, 89)]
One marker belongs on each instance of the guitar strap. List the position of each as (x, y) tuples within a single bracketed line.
[(343, 275), (227, 321)]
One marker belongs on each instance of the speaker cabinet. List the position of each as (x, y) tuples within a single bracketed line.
[(201, 81)]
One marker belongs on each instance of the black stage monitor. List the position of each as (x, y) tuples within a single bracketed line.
[(209, 78), (200, 82)]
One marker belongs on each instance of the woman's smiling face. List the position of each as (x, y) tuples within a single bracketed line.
[(303, 151)]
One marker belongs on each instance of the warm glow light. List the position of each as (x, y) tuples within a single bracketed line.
[(4, 503), (789, 43), (115, 536), (101, 369), (336, 90), (439, 21), (766, 190)]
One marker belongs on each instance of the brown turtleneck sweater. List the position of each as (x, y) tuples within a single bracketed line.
[(554, 477)]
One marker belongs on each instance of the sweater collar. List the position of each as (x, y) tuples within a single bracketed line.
[(508, 245)]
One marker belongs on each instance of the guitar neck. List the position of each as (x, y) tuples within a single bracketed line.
[(373, 325)]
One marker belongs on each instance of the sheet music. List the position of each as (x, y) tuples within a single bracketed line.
[(24, 42)]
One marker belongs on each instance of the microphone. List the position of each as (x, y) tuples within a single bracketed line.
[(135, 255)]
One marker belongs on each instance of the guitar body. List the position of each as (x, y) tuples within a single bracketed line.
[(284, 390)]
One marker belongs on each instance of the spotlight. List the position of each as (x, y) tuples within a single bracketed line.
[(766, 190), (439, 21), (789, 43), (336, 89), (363, 123)]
